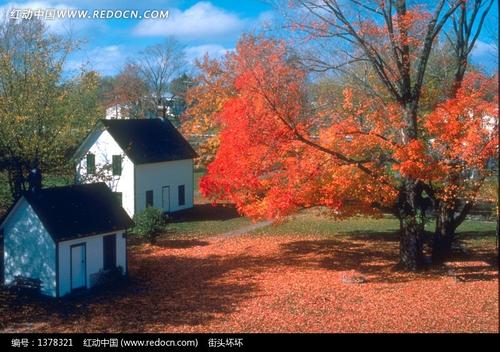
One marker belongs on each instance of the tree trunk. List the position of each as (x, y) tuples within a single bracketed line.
[(411, 228), (446, 225), (410, 196), (17, 180), (410, 245), (444, 234)]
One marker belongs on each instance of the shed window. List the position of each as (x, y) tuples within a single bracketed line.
[(117, 165), (182, 194), (149, 199), (90, 164)]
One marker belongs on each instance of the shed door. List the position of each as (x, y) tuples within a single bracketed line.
[(165, 196), (109, 252), (78, 266)]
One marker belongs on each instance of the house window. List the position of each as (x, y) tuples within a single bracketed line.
[(117, 165), (90, 164), (182, 194), (149, 199), (119, 197)]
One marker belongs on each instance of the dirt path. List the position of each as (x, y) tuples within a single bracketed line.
[(241, 231)]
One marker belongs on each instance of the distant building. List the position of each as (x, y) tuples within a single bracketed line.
[(170, 107), (117, 111)]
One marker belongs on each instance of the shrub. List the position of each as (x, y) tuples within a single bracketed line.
[(149, 223), (26, 285), (109, 278)]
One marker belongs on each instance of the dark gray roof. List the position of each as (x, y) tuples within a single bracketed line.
[(149, 140), (78, 210)]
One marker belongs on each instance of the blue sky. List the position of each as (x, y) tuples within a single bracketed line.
[(201, 26)]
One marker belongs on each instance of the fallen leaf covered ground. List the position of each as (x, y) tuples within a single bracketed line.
[(274, 284)]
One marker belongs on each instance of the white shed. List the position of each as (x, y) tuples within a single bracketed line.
[(146, 162), (66, 237)]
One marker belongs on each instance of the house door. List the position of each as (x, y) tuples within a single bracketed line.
[(78, 266), (165, 196), (109, 251)]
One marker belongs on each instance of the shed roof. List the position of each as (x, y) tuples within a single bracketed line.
[(149, 140), (78, 210)]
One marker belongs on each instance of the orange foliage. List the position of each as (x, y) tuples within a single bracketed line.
[(415, 161), (278, 154), (463, 136), (263, 166), (205, 101)]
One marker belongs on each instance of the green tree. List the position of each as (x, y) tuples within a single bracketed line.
[(43, 115)]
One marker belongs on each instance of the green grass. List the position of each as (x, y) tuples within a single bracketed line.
[(206, 228), (318, 225), (57, 181), (477, 233), (197, 229), (469, 226), (473, 231)]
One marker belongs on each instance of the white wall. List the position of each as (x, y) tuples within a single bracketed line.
[(170, 173), (104, 148), (116, 112), (148, 176), (29, 250), (94, 259)]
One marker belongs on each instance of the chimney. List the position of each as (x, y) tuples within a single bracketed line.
[(35, 180)]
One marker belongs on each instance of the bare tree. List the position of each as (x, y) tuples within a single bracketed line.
[(467, 24), (159, 65), (127, 91)]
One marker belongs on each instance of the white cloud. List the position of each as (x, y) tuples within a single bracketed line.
[(485, 55), (106, 60), (201, 21), (484, 49), (266, 18), (197, 52)]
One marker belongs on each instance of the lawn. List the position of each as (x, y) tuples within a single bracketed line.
[(309, 274), (470, 232), (205, 220)]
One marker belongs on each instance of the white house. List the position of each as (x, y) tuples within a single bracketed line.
[(146, 162), (117, 111), (66, 237)]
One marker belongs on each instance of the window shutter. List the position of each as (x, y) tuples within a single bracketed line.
[(149, 199), (117, 165), (182, 194), (90, 164)]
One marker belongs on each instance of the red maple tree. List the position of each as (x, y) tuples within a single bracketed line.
[(367, 153)]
